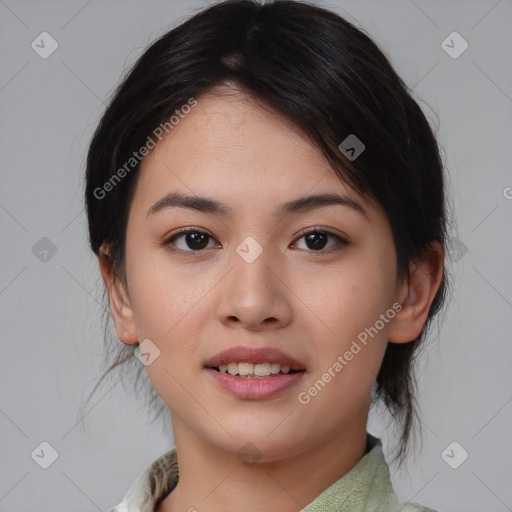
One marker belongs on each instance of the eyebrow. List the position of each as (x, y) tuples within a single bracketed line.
[(208, 205)]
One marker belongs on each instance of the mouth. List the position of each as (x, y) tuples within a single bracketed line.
[(254, 362), (262, 370), (254, 373), (243, 382)]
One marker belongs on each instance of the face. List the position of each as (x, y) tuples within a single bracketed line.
[(309, 281)]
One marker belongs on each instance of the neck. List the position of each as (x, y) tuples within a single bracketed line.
[(212, 479)]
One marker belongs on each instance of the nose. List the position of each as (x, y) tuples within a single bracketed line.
[(255, 295)]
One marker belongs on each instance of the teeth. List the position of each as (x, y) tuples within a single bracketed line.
[(245, 369), (262, 369), (275, 368), (249, 369)]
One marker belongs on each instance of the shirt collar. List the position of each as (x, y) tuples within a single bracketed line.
[(366, 487)]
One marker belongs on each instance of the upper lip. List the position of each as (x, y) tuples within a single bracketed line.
[(242, 354)]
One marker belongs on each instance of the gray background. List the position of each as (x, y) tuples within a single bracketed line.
[(52, 347)]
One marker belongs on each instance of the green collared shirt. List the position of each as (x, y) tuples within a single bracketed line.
[(365, 488)]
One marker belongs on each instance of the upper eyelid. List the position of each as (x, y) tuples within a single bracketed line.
[(305, 231)]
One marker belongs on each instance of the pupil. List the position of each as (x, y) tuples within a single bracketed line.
[(195, 238), (316, 244)]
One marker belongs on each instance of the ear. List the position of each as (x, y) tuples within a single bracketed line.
[(122, 312), (417, 296)]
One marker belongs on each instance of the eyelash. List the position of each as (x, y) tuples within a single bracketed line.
[(342, 243)]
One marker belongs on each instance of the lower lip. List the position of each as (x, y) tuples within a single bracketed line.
[(255, 388)]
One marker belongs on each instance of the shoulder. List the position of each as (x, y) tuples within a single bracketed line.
[(382, 489), (152, 485)]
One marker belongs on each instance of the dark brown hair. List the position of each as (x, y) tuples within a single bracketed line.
[(330, 79)]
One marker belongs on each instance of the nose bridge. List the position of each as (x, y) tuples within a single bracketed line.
[(254, 292), (252, 266)]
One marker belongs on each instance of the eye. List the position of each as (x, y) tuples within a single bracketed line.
[(316, 239), (193, 238)]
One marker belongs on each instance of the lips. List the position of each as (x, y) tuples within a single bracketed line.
[(243, 354)]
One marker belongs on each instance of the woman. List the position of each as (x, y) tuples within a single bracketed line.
[(267, 205)]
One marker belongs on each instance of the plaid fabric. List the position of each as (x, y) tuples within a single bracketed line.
[(365, 488)]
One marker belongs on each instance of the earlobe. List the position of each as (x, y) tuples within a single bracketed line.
[(122, 312), (417, 296)]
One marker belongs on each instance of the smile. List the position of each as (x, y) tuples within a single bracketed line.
[(251, 370)]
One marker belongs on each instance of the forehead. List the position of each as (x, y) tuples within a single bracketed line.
[(231, 147), (234, 132)]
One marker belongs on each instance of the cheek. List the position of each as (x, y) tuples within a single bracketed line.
[(164, 296), (169, 307), (348, 304), (348, 300)]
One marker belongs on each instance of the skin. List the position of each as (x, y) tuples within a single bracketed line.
[(304, 301)]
